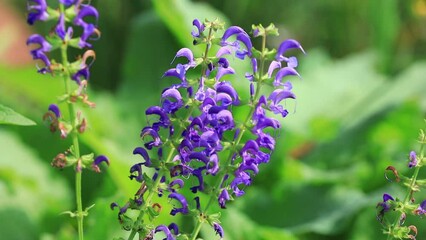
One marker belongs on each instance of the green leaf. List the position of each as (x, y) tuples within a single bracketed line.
[(304, 208), (16, 225), (8, 116)]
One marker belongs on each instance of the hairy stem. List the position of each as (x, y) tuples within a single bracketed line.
[(74, 135)]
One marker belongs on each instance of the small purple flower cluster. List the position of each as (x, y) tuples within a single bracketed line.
[(394, 225), (70, 14), (194, 140), (75, 13)]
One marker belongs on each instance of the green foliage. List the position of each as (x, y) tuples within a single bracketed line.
[(8, 116)]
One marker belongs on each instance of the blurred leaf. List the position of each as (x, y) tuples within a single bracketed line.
[(249, 229), (179, 14), (8, 116), (302, 208), (26, 182), (15, 225)]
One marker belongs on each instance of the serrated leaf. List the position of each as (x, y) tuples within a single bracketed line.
[(9, 116)]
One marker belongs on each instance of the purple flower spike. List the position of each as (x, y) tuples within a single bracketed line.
[(60, 29), (200, 28), (88, 28), (40, 53), (182, 200), (223, 198), (37, 11), (283, 72), (98, 160), (55, 109), (141, 151), (286, 45), (413, 159), (218, 229), (165, 229)]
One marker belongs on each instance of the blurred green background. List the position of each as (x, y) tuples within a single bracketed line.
[(360, 105)]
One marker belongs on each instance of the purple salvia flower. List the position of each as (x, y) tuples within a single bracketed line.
[(213, 164), (156, 141), (55, 109), (283, 72), (413, 159), (178, 182), (223, 71), (234, 186), (138, 169), (98, 160), (198, 173), (276, 97), (172, 100), (88, 28), (226, 87), (164, 120), (178, 72), (274, 65), (187, 53), (421, 210), (218, 229), (37, 11), (223, 198), (174, 227), (286, 45), (80, 75), (182, 200), (385, 204), (40, 53), (241, 36), (141, 151), (200, 28), (165, 229), (60, 29)]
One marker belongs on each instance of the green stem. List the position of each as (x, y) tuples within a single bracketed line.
[(408, 195), (74, 135)]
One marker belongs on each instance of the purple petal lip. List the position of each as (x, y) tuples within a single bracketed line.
[(283, 72), (286, 45), (55, 109), (200, 28), (99, 159)]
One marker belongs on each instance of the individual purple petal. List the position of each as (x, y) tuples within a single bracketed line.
[(225, 50), (165, 229), (223, 62), (226, 87), (40, 53), (254, 65), (178, 182), (98, 160), (413, 159), (283, 72), (55, 109), (213, 165), (37, 11), (241, 36), (178, 72), (387, 197), (223, 71), (187, 53), (245, 39), (138, 169), (156, 141), (141, 151), (223, 198), (88, 28), (80, 75), (211, 141), (172, 100), (218, 229), (292, 62), (198, 173), (164, 120), (225, 120), (200, 28), (233, 30), (182, 200), (60, 29), (286, 45), (274, 65), (174, 227)]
